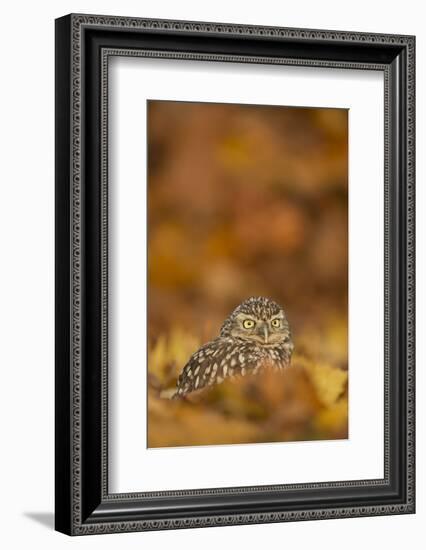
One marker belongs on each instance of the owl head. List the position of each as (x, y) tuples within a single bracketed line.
[(258, 320)]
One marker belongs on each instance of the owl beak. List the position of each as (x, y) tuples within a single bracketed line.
[(265, 333)]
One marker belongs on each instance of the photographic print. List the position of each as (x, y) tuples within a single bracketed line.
[(215, 246), (247, 209)]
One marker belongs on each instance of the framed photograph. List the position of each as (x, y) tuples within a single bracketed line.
[(234, 274)]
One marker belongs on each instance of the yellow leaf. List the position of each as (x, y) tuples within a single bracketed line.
[(329, 382)]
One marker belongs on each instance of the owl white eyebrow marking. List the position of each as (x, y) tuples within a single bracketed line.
[(246, 317)]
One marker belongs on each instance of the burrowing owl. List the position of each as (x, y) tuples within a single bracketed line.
[(256, 335)]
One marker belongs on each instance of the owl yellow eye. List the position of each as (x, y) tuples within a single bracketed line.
[(276, 323), (248, 323)]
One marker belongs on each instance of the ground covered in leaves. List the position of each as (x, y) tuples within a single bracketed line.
[(307, 401)]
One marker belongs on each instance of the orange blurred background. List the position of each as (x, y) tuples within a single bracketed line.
[(245, 200)]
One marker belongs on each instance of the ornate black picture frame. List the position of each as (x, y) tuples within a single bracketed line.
[(84, 44)]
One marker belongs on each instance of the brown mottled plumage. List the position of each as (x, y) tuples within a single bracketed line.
[(255, 336)]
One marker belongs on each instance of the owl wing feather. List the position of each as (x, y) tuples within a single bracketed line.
[(207, 366), (223, 358)]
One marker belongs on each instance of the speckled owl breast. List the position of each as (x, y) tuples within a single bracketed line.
[(255, 336)]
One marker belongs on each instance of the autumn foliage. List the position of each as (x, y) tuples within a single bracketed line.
[(246, 201)]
